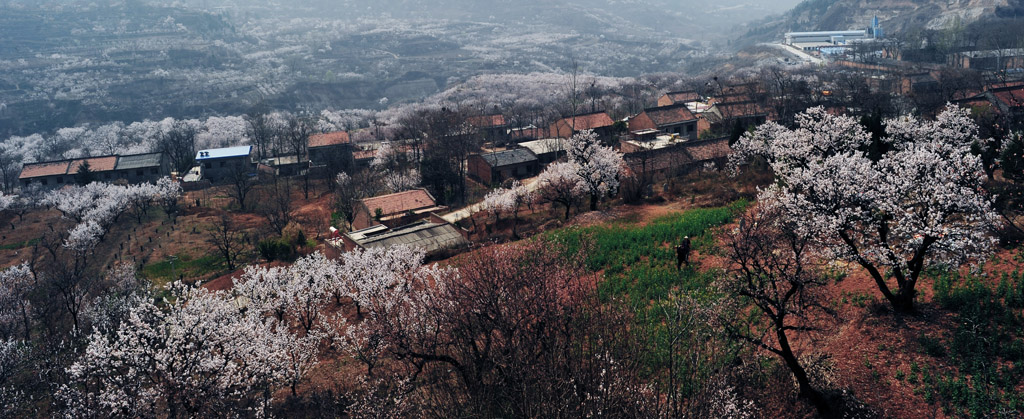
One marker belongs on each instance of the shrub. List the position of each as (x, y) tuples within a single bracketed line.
[(276, 249)]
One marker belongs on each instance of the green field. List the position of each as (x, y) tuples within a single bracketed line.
[(638, 264), (202, 268)]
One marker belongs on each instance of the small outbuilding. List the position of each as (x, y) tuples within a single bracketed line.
[(394, 209), (435, 236), (495, 167)]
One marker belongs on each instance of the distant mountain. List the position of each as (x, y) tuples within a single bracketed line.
[(693, 19), (895, 16)]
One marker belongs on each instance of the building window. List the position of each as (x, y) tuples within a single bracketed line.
[(45, 182), (222, 163), (138, 172), (209, 165), (108, 175), (60, 180), (153, 171)]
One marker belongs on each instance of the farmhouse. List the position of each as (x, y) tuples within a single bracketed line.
[(672, 119), (672, 98), (492, 128), (221, 164), (394, 209), (600, 122), (665, 156), (495, 167), (744, 113), (547, 150), (331, 151), (136, 168)]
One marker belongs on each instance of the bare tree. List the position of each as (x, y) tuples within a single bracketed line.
[(179, 143), (296, 135), (450, 140), (260, 129), (229, 241), (772, 268), (243, 181), (276, 204)]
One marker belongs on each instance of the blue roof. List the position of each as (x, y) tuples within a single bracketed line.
[(220, 153)]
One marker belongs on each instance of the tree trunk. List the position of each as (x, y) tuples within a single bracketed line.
[(903, 301), (567, 212), (593, 202), (807, 391)]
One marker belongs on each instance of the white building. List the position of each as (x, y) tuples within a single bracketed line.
[(812, 41)]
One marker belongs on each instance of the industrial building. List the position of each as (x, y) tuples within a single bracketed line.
[(815, 41)]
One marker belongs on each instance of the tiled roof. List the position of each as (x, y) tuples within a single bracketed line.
[(96, 164), (32, 170), (509, 157), (687, 153), (397, 203), (220, 153), (138, 161), (683, 97), (329, 139), (431, 237), (487, 121), (590, 121), (672, 114)]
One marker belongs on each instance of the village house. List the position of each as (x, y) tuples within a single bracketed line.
[(493, 168), (665, 156), (394, 209), (436, 236), (527, 133), (222, 164), (547, 150), (492, 128), (131, 169), (600, 122), (1006, 99), (672, 98), (330, 152), (672, 119), (723, 116)]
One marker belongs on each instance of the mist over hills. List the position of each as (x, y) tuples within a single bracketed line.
[(64, 63)]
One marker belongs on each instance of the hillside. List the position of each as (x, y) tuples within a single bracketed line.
[(895, 16)]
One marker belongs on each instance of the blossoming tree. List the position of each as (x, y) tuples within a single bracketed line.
[(920, 205)]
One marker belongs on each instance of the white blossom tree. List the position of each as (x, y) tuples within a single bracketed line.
[(16, 284), (598, 166), (384, 284), (201, 355), (508, 201), (84, 236), (920, 205), (168, 192), (560, 183)]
